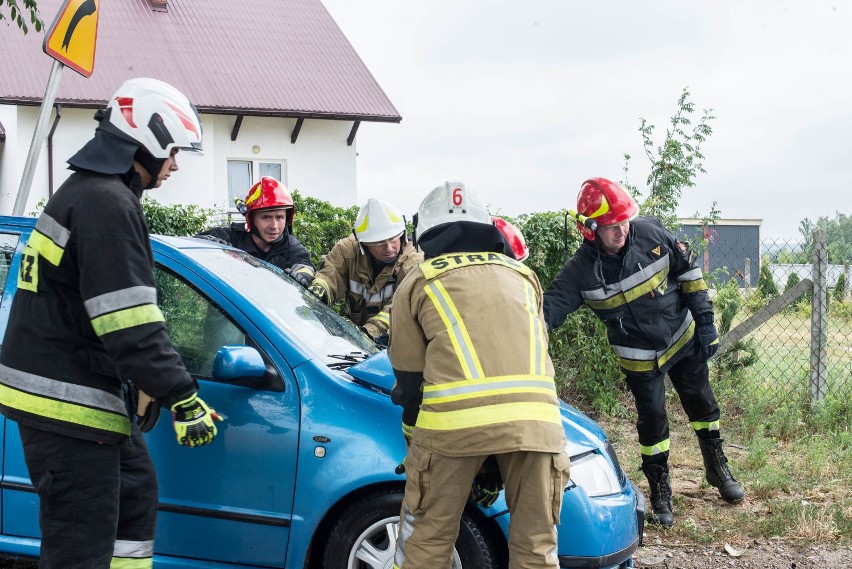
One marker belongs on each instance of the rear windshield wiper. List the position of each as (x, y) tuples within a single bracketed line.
[(347, 360)]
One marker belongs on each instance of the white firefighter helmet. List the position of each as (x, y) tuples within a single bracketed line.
[(156, 116), (449, 203), (378, 221)]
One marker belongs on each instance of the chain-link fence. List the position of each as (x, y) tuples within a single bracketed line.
[(797, 311)]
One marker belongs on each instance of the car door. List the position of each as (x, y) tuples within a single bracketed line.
[(231, 500)]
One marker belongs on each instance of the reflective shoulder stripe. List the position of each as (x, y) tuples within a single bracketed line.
[(709, 425), (434, 267), (458, 334), (52, 229), (538, 349), (483, 416), (659, 448), (46, 248), (127, 318), (128, 548), (117, 300)]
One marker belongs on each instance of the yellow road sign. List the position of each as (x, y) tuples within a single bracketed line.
[(72, 37)]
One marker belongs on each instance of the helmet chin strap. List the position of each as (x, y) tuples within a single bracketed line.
[(152, 165)]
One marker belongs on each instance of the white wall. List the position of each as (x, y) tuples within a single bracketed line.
[(319, 164)]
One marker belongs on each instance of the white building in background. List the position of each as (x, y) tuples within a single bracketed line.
[(281, 93)]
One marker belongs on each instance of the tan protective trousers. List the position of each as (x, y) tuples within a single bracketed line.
[(436, 491)]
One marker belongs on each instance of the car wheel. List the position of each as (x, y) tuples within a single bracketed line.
[(365, 538)]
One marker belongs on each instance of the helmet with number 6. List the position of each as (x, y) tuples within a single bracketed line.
[(154, 115), (449, 203), (606, 202), (514, 237)]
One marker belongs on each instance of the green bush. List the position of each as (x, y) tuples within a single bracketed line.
[(319, 224), (840, 288), (180, 220), (765, 283)]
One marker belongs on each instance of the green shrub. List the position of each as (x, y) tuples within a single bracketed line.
[(180, 220), (765, 283), (319, 224), (840, 288)]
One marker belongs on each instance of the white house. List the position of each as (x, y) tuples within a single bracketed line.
[(280, 90)]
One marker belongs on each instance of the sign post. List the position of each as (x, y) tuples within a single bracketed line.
[(70, 41)]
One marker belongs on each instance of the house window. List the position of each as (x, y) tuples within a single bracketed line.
[(243, 173)]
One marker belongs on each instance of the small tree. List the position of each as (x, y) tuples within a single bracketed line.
[(766, 286), (792, 281), (840, 288)]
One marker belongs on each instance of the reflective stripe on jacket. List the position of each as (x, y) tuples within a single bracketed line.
[(348, 273), (472, 324), (85, 316), (648, 308)]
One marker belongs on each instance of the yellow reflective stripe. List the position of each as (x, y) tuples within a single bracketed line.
[(693, 286), (488, 415), (459, 337), (128, 318), (64, 411), (489, 393), (636, 365), (383, 317), (709, 425), (632, 294), (45, 247), (494, 380), (660, 447), (537, 349), (675, 348), (131, 563), (407, 429)]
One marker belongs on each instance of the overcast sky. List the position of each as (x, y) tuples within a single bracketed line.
[(523, 100)]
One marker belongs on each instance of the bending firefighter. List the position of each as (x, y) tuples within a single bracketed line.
[(468, 348), (645, 286), (366, 267), (84, 322), (267, 233)]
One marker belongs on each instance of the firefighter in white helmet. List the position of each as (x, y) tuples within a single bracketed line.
[(468, 347), (366, 267)]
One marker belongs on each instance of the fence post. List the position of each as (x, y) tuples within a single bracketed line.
[(747, 278), (818, 374)]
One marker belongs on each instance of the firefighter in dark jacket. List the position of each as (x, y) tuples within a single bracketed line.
[(268, 230), (84, 323), (469, 351), (645, 286)]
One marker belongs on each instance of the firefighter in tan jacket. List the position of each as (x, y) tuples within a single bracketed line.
[(469, 350), (366, 267)]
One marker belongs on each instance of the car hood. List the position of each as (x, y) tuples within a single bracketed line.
[(581, 432)]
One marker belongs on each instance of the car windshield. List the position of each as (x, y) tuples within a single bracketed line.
[(331, 339)]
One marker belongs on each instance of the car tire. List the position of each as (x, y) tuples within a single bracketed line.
[(365, 537)]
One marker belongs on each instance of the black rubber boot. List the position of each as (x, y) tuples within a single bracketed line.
[(661, 493), (717, 472)]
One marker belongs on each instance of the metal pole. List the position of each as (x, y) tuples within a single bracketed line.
[(818, 372), (38, 137)]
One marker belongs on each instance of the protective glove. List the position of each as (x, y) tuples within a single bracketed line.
[(487, 484), (194, 421), (147, 412), (319, 291), (302, 274), (214, 239), (706, 337)]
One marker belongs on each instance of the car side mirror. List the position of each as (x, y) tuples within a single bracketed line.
[(236, 362)]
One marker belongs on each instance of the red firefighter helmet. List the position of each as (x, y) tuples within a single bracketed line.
[(514, 237), (606, 202), (269, 193)]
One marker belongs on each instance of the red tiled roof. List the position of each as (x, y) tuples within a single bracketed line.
[(253, 57)]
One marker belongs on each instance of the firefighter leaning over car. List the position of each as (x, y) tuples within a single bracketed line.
[(468, 348), (366, 267), (267, 233), (83, 322), (645, 286)]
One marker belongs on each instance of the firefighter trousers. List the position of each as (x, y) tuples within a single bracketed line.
[(98, 502), (691, 379), (436, 491)]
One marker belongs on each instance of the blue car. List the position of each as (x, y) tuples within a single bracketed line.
[(302, 472)]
